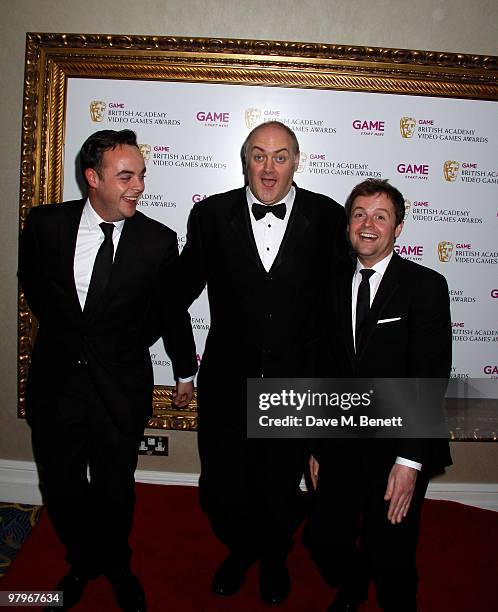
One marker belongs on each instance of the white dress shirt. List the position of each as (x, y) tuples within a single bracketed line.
[(269, 231), (379, 268)]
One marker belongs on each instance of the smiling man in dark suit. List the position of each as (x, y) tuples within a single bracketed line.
[(392, 320), (264, 251), (95, 273)]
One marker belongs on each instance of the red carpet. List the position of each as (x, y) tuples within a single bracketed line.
[(176, 555)]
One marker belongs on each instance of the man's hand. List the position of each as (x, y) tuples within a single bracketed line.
[(314, 467), (400, 487), (183, 393)]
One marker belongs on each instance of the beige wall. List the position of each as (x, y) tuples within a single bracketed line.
[(441, 25)]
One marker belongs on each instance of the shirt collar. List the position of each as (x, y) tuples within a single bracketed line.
[(379, 267), (288, 199), (93, 219)]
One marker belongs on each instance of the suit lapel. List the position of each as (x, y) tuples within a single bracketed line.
[(126, 252), (125, 255), (67, 241), (240, 224), (387, 287), (347, 322), (296, 227)]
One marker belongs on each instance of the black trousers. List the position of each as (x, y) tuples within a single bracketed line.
[(351, 540), (249, 489), (74, 438)]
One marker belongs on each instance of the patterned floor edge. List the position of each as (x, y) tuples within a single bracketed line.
[(16, 522)]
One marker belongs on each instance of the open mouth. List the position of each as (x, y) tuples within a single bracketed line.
[(367, 236)]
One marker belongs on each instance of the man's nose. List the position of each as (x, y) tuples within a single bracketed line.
[(138, 184), (268, 164)]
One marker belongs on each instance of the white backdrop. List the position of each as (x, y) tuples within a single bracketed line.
[(441, 153)]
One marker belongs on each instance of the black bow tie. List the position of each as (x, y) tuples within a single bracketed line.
[(260, 210)]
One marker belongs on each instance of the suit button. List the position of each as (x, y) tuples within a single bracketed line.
[(268, 315), (269, 277)]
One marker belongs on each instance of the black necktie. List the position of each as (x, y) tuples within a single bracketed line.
[(362, 302), (260, 210), (101, 268)]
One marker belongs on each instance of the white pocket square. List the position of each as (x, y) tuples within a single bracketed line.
[(388, 320)]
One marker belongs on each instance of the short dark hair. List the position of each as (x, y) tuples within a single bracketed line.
[(94, 147), (373, 186), (292, 135)]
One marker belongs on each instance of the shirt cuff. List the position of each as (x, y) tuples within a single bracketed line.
[(413, 464), (186, 380)]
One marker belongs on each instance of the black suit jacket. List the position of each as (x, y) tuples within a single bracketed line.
[(417, 344), (115, 337), (262, 323)]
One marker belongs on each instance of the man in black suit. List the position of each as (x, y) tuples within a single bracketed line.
[(264, 251), (394, 324), (95, 273)]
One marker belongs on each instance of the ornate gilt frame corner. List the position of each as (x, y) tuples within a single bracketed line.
[(52, 58), (166, 416)]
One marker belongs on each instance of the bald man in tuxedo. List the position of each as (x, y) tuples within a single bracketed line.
[(264, 251)]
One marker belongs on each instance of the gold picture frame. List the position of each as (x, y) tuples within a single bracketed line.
[(52, 58)]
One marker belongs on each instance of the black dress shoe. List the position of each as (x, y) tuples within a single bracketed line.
[(342, 603), (128, 591), (230, 575), (274, 582), (72, 586)]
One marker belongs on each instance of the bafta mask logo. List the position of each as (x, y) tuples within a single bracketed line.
[(407, 126), (97, 110), (302, 162), (445, 251), (450, 170), (253, 117), (408, 207), (145, 151)]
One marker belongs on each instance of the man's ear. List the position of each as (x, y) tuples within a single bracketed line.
[(397, 230), (296, 162), (92, 177)]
